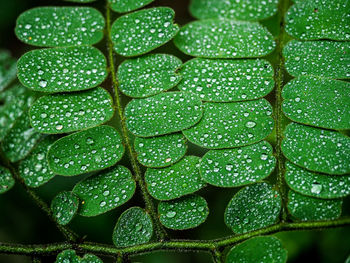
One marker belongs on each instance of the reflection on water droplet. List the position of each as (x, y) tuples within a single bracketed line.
[(89, 140), (263, 156), (201, 209), (102, 204), (171, 214), (250, 124), (316, 188), (59, 127), (43, 83), (138, 227)]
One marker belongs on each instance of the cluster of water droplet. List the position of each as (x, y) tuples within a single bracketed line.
[(163, 113), (238, 166), (148, 75), (180, 179), (227, 125), (71, 112), (224, 38), (183, 213), (62, 69), (105, 191), (48, 26), (160, 151), (142, 31), (227, 80)]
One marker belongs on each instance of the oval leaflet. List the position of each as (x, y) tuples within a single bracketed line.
[(104, 191), (60, 26), (100, 146), (62, 113), (63, 69)]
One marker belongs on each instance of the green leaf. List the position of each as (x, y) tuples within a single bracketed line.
[(134, 227), (315, 184), (62, 69), (308, 208), (319, 19), (163, 113), (160, 151), (228, 125), (248, 10), (20, 139), (184, 213), (64, 206), (224, 38), (6, 180), (142, 31), (86, 151), (239, 166), (14, 103), (318, 58), (318, 102), (123, 6), (227, 80), (316, 149), (148, 75), (7, 69), (104, 191), (62, 113), (69, 256), (262, 249), (34, 169), (60, 26), (175, 181), (253, 207)]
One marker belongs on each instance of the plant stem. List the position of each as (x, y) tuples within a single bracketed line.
[(150, 208), (279, 77), (175, 245), (66, 232), (216, 256)]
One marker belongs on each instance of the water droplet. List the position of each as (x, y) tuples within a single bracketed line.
[(43, 83), (40, 156), (89, 140), (316, 188), (229, 167), (105, 193), (263, 156), (138, 227), (250, 124), (201, 209), (59, 127), (171, 214), (102, 204)]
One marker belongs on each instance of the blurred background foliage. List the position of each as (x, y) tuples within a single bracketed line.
[(21, 221)]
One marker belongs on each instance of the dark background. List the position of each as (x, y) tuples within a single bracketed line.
[(22, 222)]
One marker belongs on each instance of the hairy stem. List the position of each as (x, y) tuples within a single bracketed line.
[(174, 245), (66, 232), (216, 255), (150, 208), (279, 77)]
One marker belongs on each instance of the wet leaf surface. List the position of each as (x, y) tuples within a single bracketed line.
[(224, 38), (253, 207), (228, 125), (134, 227), (62, 113), (104, 191), (86, 151), (60, 26), (227, 80)]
